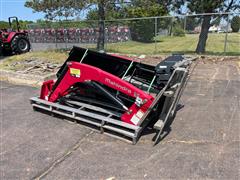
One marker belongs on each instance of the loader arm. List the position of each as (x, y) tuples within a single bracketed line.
[(78, 72)]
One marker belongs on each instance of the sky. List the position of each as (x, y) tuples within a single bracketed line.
[(16, 8)]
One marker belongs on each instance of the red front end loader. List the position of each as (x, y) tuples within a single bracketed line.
[(117, 95)]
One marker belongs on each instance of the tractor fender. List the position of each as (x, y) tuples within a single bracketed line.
[(12, 35)]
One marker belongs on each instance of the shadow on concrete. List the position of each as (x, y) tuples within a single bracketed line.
[(167, 128), (147, 131)]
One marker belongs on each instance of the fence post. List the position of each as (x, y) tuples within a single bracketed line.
[(65, 36), (155, 37), (56, 45), (185, 23), (171, 27), (226, 36), (105, 40)]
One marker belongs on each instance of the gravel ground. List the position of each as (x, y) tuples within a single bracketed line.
[(203, 142)]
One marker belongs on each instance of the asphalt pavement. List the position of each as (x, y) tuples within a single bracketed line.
[(203, 142)]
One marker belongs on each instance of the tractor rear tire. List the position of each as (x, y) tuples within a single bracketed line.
[(20, 44)]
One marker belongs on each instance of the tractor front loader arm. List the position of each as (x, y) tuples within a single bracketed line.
[(80, 73)]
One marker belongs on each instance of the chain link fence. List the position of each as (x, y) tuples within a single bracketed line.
[(151, 35)]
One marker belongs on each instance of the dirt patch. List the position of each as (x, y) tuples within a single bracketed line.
[(34, 66), (38, 63), (204, 59), (155, 59), (31, 68), (31, 71), (219, 59)]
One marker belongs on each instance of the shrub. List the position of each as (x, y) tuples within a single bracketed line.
[(235, 23), (142, 30), (177, 31)]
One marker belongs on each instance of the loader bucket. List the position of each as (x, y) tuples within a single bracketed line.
[(116, 95)]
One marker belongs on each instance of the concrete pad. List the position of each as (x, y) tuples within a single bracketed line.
[(30, 141), (4, 85), (98, 159), (203, 142)]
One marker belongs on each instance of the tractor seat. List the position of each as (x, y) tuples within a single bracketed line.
[(10, 30)]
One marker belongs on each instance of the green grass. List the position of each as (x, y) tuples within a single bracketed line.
[(186, 44)]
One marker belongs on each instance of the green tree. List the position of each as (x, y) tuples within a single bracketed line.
[(143, 29), (56, 9), (4, 25), (23, 24), (235, 23), (206, 6), (114, 11)]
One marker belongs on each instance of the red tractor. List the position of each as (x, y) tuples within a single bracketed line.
[(14, 41)]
